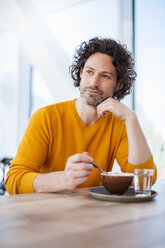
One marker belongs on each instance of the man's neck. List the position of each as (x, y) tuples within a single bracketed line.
[(87, 113)]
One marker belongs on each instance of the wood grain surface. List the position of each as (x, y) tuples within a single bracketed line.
[(75, 219)]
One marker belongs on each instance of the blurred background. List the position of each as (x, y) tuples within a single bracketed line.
[(38, 39)]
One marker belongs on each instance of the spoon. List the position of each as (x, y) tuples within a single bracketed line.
[(98, 167)]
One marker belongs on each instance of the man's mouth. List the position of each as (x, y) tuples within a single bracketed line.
[(94, 92)]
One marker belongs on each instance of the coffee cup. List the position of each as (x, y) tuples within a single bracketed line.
[(117, 183)]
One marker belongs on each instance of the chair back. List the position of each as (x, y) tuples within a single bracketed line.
[(4, 166)]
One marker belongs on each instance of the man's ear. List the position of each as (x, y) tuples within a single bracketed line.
[(118, 86)]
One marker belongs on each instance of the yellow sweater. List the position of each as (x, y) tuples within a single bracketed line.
[(56, 132)]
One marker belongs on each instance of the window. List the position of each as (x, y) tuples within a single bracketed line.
[(71, 26), (84, 21), (41, 95), (150, 85), (8, 92)]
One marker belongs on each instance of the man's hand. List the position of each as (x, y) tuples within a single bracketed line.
[(138, 149), (77, 170), (115, 107)]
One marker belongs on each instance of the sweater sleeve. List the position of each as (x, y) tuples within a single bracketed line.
[(122, 158), (31, 155)]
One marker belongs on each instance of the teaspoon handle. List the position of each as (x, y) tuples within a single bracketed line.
[(96, 166)]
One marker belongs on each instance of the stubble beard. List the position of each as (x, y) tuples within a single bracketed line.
[(93, 100)]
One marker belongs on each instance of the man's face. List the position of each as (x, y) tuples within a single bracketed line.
[(98, 79)]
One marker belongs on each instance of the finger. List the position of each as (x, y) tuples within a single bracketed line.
[(108, 100), (80, 157), (79, 181), (86, 153), (101, 111), (72, 184), (105, 105), (78, 173), (79, 166), (108, 106)]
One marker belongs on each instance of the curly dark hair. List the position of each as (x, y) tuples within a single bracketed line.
[(122, 60)]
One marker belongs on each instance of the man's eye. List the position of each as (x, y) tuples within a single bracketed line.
[(106, 76), (89, 72)]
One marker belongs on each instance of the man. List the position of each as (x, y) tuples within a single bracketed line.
[(63, 139)]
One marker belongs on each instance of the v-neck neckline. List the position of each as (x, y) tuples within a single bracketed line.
[(97, 123)]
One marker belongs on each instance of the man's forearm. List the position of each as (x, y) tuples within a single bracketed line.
[(49, 182), (138, 149), (78, 168)]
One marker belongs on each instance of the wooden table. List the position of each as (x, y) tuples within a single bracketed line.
[(77, 220)]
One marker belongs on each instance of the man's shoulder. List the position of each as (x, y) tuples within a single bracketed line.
[(53, 109)]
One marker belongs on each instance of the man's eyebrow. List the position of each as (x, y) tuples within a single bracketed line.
[(107, 72), (89, 67)]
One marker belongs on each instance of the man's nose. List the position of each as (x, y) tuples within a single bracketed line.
[(95, 81)]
